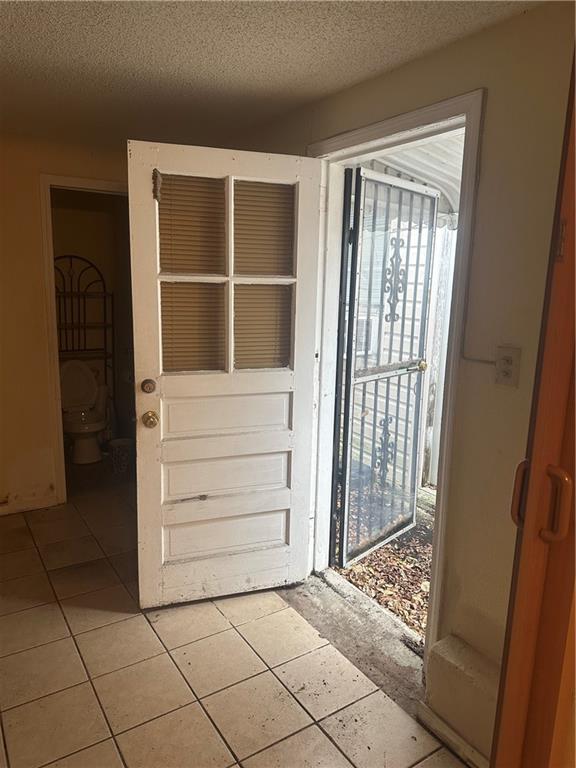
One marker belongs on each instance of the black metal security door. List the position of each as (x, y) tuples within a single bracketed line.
[(385, 285)]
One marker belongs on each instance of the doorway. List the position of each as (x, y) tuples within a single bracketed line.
[(93, 322), (400, 229)]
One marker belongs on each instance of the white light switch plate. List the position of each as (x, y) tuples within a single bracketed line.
[(508, 366)]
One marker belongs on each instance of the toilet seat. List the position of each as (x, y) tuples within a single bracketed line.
[(76, 418), (83, 411), (78, 387)]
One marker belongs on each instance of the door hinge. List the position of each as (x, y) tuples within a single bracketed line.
[(350, 235), (156, 185)]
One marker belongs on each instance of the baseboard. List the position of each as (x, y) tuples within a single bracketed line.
[(449, 737), (24, 504)]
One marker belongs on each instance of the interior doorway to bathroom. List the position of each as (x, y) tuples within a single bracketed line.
[(89, 236)]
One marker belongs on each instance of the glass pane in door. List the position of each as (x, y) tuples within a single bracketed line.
[(264, 228), (382, 481), (192, 225), (262, 326), (193, 326)]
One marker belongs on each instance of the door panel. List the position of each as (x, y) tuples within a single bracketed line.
[(384, 314), (193, 417), (224, 263)]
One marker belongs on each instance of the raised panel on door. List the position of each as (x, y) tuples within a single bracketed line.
[(224, 263)]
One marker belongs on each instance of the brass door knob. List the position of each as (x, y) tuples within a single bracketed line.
[(150, 419), (422, 365)]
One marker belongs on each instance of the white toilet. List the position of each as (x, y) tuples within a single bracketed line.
[(83, 410)]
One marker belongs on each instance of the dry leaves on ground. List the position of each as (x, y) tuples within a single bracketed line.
[(397, 575)]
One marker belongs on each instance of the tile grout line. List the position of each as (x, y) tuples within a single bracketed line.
[(314, 721), (89, 680), (237, 628), (45, 695), (58, 602), (203, 708), (152, 719), (214, 600), (30, 607), (317, 722), (330, 737), (17, 552), (74, 685), (111, 565), (116, 571), (272, 669), (178, 647), (226, 687), (434, 751), (199, 700), (45, 572), (126, 666), (168, 652), (275, 744), (76, 752)]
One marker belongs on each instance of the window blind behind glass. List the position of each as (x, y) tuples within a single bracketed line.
[(263, 228), (193, 326), (262, 326), (191, 219)]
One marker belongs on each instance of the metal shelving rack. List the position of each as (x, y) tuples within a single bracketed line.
[(85, 313)]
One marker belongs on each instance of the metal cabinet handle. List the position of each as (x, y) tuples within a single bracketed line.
[(562, 505), (519, 476)]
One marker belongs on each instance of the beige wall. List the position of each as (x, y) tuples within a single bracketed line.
[(524, 64), (28, 470)]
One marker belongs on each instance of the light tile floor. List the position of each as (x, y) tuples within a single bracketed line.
[(89, 681)]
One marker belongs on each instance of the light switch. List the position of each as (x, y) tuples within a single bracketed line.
[(508, 366)]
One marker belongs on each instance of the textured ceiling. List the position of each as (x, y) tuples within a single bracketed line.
[(199, 71)]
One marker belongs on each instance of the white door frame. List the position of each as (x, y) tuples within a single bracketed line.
[(48, 182), (362, 143)]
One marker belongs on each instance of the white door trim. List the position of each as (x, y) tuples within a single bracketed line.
[(47, 182), (421, 123), (436, 118)]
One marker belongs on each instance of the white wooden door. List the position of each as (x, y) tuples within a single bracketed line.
[(224, 279)]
